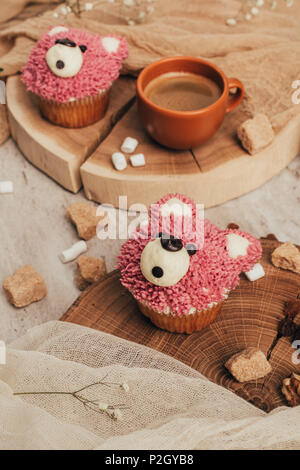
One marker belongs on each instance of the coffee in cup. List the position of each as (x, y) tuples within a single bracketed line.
[(182, 91)]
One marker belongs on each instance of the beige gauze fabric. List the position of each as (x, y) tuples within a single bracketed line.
[(12, 8), (168, 405)]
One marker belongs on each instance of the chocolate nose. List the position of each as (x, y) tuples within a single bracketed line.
[(157, 271)]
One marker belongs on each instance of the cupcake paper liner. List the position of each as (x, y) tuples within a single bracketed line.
[(77, 113), (184, 323)]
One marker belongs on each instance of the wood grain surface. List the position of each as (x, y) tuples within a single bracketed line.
[(249, 317)]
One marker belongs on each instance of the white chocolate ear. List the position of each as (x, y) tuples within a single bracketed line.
[(57, 29), (236, 245), (175, 206), (110, 44)]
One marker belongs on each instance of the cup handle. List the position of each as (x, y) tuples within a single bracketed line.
[(234, 100)]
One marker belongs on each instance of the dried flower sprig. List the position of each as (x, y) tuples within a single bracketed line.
[(113, 411), (251, 8), (133, 11)]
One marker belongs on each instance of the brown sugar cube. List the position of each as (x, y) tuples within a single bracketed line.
[(89, 270), (287, 256), (84, 217), (256, 133), (250, 364), (24, 287)]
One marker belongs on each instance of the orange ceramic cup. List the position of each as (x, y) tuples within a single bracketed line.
[(185, 129)]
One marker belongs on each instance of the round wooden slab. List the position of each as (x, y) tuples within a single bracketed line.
[(211, 174), (57, 151), (249, 317)]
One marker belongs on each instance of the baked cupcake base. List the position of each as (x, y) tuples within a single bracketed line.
[(184, 323), (77, 113)]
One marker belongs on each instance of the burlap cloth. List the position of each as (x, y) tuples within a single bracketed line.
[(168, 406), (264, 53)]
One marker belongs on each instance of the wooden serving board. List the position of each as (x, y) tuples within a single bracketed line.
[(249, 317), (211, 174), (216, 172)]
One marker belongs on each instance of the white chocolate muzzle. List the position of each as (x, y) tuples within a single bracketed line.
[(171, 266), (64, 61)]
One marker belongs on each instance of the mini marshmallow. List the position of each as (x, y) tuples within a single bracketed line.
[(73, 252), (138, 159), (6, 187), (255, 273), (119, 161), (129, 145)]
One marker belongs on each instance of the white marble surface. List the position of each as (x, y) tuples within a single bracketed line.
[(34, 230)]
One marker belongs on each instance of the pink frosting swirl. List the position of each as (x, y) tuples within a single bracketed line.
[(99, 69), (212, 272)]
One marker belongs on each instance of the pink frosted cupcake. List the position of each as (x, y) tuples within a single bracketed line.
[(180, 267), (71, 73)]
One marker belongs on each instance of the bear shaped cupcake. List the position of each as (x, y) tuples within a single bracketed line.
[(180, 267), (71, 73)]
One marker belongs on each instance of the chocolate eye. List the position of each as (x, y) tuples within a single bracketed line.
[(83, 48), (60, 64), (191, 249), (171, 243), (157, 272), (65, 42)]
